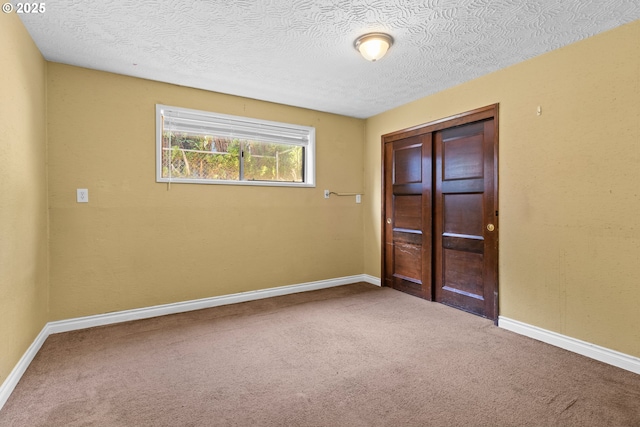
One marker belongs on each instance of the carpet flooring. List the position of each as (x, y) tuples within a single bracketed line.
[(355, 355)]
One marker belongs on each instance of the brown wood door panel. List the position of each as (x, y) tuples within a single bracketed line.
[(408, 212), (462, 156), (439, 195), (462, 284), (407, 162), (463, 214)]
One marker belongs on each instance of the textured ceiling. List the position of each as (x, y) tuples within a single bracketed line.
[(300, 52)]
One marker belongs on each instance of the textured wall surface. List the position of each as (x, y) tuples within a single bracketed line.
[(23, 190), (139, 243), (568, 185), (300, 52)]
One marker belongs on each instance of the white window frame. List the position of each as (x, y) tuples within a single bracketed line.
[(295, 135)]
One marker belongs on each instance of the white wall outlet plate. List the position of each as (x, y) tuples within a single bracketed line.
[(82, 195)]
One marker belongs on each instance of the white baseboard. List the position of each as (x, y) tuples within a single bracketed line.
[(12, 380), (161, 310), (584, 348), (199, 304), (371, 279)]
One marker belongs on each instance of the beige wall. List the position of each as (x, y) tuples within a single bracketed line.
[(569, 185), (138, 243), (23, 197)]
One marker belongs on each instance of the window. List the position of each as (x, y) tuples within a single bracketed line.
[(209, 148)]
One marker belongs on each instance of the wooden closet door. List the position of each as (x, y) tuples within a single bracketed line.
[(407, 214), (465, 244)]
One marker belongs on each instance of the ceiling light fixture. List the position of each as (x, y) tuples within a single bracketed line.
[(373, 46)]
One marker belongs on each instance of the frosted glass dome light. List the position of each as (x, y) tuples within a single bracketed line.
[(373, 46)]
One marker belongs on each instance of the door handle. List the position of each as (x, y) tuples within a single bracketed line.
[(388, 220), (490, 227)]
